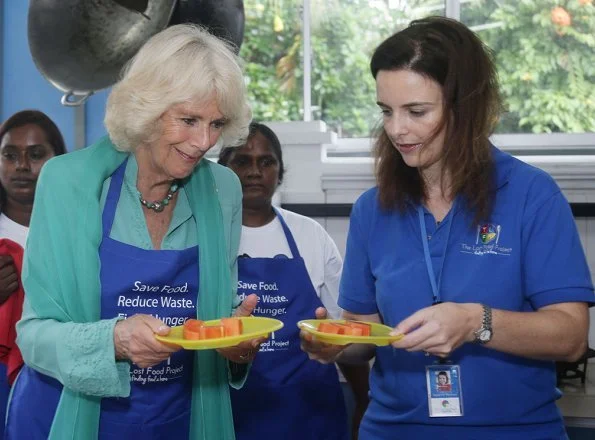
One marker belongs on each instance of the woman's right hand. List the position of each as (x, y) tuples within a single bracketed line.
[(134, 339), (9, 278), (319, 351)]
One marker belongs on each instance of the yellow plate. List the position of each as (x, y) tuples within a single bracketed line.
[(253, 327), (379, 333)]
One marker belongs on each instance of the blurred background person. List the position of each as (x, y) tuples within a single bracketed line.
[(28, 139), (294, 266)]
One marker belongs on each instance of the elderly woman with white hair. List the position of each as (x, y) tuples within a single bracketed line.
[(129, 237)]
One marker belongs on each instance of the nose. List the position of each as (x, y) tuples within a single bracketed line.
[(254, 169), (202, 139), (23, 163), (395, 126)]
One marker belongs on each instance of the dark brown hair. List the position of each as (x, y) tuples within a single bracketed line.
[(43, 121), (40, 119), (447, 52)]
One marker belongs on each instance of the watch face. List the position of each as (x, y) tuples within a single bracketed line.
[(485, 335)]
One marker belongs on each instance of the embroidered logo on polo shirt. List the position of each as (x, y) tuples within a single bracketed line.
[(486, 241), (489, 232)]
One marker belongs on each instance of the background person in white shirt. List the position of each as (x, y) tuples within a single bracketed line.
[(294, 267)]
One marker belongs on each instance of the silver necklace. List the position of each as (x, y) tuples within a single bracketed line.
[(159, 205)]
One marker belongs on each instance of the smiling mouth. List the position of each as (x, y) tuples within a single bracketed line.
[(187, 157)]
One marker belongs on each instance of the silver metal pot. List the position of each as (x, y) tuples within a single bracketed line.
[(80, 46)]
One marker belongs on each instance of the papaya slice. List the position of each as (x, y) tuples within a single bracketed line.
[(232, 326), (191, 329), (365, 328), (349, 328), (212, 331), (329, 327)]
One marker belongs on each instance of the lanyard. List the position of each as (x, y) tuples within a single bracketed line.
[(428, 258)]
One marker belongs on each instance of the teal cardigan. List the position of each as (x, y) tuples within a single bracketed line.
[(61, 333)]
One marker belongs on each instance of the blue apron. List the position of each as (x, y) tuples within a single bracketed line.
[(286, 395), (133, 280)]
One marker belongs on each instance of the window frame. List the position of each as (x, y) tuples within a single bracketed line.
[(517, 143)]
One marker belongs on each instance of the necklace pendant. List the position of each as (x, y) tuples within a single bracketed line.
[(160, 206)]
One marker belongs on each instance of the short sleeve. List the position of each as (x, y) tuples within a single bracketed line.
[(357, 293), (554, 269)]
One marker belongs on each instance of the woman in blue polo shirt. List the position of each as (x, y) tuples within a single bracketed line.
[(470, 253)]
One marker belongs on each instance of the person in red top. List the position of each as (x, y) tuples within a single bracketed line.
[(28, 139)]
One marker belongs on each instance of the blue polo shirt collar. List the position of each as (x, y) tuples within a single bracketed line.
[(503, 165)]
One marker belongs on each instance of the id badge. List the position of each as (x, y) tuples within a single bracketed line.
[(445, 398)]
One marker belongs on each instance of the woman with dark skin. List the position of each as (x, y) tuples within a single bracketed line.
[(28, 139), (294, 254)]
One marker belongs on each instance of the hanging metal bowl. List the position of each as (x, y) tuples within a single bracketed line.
[(80, 46), (223, 18)]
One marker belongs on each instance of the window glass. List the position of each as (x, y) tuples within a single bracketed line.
[(272, 51), (343, 35), (544, 52)]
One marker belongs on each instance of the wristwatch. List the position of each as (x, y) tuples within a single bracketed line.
[(485, 333)]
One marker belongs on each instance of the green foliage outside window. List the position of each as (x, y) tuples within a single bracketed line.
[(544, 51)]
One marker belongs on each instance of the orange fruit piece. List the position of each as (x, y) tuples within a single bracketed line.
[(329, 327), (366, 329), (212, 331), (232, 326), (191, 329)]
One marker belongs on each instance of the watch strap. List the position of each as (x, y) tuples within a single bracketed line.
[(486, 326)]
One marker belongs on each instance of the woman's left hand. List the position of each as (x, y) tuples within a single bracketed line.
[(440, 329), (244, 352)]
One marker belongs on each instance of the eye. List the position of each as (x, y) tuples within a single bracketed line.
[(8, 155), (417, 113), (189, 121), (386, 113), (269, 162), (219, 124), (38, 153), (239, 161)]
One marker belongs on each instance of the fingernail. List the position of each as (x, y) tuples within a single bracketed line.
[(162, 328)]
